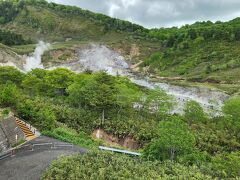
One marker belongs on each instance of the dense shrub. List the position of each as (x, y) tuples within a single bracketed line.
[(194, 112), (9, 95), (71, 136), (9, 10), (11, 74), (174, 140), (100, 165), (10, 38)]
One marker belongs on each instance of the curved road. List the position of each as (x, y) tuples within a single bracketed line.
[(30, 161)]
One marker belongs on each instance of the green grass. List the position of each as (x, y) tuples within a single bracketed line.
[(71, 136), (19, 143), (24, 49), (4, 113)]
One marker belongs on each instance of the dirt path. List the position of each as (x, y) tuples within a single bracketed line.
[(33, 159)]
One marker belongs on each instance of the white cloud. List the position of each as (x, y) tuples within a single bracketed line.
[(128, 3), (164, 9), (159, 13), (112, 10)]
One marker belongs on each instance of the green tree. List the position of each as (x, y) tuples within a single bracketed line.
[(8, 10), (192, 34), (8, 73), (106, 93), (226, 165), (34, 82), (82, 93), (158, 102), (174, 139), (26, 110), (194, 113), (2, 20), (231, 110), (98, 92), (46, 118), (58, 80), (237, 35), (127, 94), (9, 95)]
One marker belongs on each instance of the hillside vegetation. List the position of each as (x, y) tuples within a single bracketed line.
[(51, 22), (103, 166), (71, 106), (201, 52)]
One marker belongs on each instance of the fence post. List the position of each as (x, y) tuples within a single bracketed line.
[(12, 152)]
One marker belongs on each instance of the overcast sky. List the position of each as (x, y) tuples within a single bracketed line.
[(162, 13)]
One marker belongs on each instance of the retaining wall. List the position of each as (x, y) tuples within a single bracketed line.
[(10, 133)]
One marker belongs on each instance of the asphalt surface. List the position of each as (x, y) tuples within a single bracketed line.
[(31, 160)]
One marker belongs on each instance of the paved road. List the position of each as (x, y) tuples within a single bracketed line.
[(31, 161)]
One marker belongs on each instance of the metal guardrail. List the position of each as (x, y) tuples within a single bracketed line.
[(5, 155), (119, 151), (31, 147), (53, 145), (12, 152)]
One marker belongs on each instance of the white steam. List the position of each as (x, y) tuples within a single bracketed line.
[(35, 61), (99, 58)]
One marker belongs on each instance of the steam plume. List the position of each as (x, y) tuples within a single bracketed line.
[(34, 61), (99, 57)]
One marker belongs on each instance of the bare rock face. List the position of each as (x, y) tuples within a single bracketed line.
[(3, 58), (127, 142), (135, 52), (10, 58), (130, 143)]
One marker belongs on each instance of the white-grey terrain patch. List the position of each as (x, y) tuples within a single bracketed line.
[(101, 58)]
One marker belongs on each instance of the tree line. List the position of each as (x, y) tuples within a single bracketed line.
[(10, 38), (199, 31), (9, 10), (108, 22), (170, 37)]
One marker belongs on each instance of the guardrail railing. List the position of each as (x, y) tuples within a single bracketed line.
[(119, 151), (32, 147)]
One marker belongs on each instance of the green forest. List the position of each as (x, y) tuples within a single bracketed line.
[(70, 106), (203, 51)]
